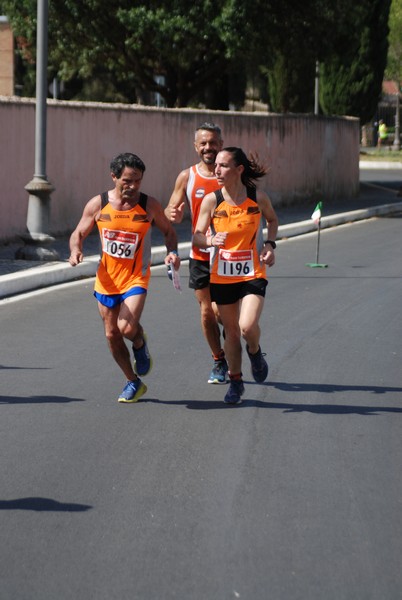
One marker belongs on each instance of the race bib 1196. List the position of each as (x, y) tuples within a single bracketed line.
[(235, 263)]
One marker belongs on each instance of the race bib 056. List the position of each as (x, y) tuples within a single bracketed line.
[(120, 244)]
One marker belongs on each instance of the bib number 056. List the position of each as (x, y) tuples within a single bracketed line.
[(120, 244)]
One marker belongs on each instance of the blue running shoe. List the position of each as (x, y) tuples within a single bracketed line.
[(142, 359), (235, 391), (259, 366), (133, 391), (219, 372)]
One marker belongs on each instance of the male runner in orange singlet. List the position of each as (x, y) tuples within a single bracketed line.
[(191, 186), (124, 216)]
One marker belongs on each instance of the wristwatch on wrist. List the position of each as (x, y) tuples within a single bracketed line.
[(272, 243)]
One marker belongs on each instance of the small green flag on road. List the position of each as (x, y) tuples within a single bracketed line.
[(316, 216)]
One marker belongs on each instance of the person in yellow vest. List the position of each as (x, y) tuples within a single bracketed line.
[(124, 216), (236, 214), (382, 133)]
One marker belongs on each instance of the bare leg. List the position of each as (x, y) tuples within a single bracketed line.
[(115, 340), (230, 319), (129, 319), (250, 312), (123, 322), (209, 324)]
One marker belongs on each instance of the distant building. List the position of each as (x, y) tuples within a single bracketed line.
[(386, 110), (388, 102), (6, 58)]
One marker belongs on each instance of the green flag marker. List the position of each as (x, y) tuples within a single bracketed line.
[(316, 217)]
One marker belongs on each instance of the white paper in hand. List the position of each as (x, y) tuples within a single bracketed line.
[(174, 276)]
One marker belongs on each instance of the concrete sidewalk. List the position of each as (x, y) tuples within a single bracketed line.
[(19, 276)]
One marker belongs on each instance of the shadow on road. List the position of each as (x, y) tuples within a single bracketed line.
[(330, 388), (38, 400), (287, 407), (42, 504), (327, 409), (13, 368), (293, 407)]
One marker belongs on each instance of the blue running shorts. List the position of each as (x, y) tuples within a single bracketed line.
[(112, 300)]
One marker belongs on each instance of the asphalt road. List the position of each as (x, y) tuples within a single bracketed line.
[(385, 178), (293, 495)]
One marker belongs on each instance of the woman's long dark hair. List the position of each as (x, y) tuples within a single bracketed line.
[(252, 169)]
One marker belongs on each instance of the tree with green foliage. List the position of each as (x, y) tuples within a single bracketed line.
[(187, 45), (204, 54), (394, 61), (351, 79), (300, 34)]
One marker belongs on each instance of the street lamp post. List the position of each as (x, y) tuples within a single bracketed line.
[(37, 239), (397, 141), (317, 88)]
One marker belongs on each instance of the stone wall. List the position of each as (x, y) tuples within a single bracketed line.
[(309, 157)]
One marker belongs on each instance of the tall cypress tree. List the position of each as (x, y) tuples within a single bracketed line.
[(290, 82), (351, 79), (299, 35)]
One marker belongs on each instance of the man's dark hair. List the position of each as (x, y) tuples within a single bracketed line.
[(209, 127), (127, 159)]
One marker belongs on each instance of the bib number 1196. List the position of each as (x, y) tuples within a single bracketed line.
[(235, 263)]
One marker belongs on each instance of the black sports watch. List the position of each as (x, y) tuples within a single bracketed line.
[(272, 243)]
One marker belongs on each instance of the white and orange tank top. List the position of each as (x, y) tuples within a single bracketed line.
[(126, 248), (198, 186), (239, 259)]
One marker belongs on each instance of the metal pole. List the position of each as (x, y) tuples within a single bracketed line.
[(397, 141), (41, 90), (317, 88), (37, 238), (318, 241)]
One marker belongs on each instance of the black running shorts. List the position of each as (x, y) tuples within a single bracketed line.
[(230, 293), (199, 274)]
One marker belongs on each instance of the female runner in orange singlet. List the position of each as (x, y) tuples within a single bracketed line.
[(236, 214)]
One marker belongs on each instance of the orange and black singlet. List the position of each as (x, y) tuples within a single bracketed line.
[(126, 248), (198, 186), (239, 259)]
